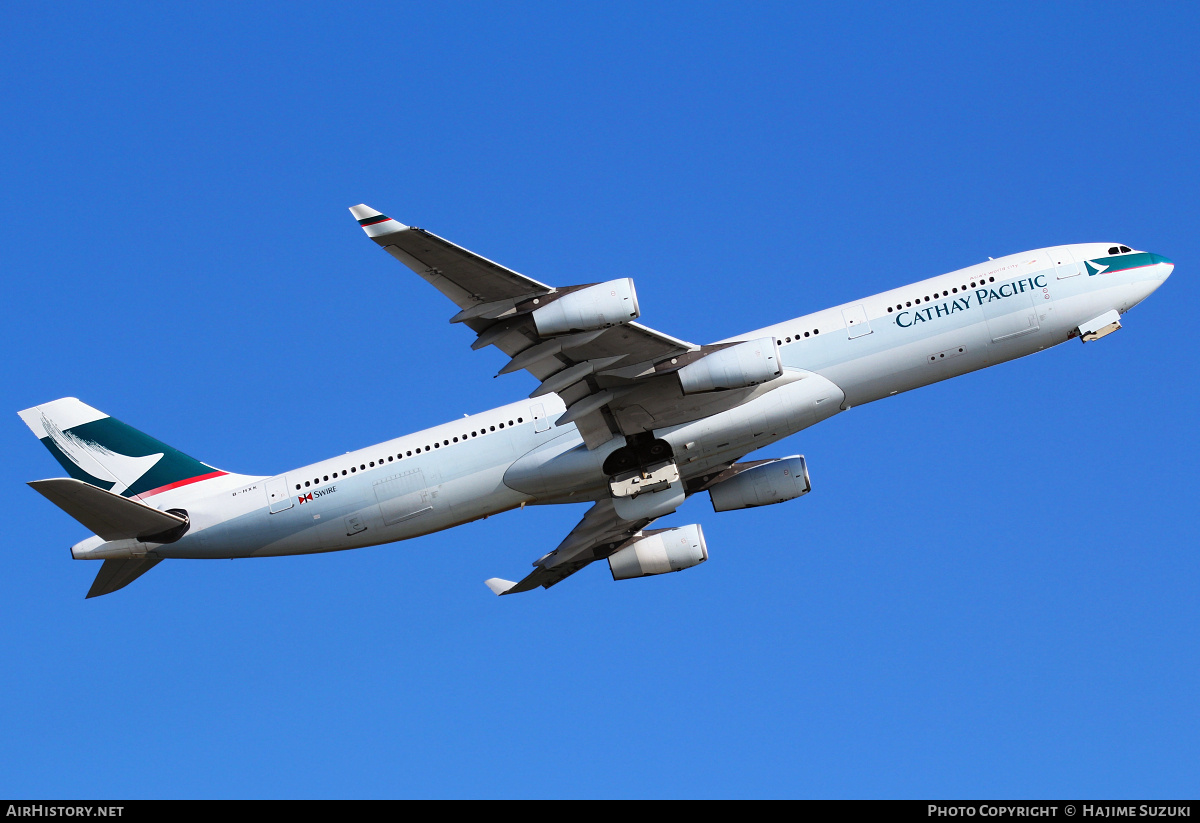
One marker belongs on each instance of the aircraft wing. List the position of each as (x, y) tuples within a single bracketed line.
[(599, 534), (614, 381), (466, 278)]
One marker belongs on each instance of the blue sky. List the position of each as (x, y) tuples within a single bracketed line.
[(991, 590)]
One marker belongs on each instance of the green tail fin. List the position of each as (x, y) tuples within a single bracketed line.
[(109, 454)]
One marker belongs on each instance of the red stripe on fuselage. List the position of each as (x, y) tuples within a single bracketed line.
[(179, 483)]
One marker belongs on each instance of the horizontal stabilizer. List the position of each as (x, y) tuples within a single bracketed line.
[(109, 515), (498, 585), (117, 574)]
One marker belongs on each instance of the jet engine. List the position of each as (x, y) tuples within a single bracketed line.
[(659, 551), (588, 309), (736, 367), (774, 482)]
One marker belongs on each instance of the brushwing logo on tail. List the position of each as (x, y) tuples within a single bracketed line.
[(99, 461)]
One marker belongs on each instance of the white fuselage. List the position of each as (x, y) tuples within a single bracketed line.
[(514, 455)]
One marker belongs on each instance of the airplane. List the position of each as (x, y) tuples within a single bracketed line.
[(626, 418)]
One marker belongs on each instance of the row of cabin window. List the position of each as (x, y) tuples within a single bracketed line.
[(401, 456), (789, 340), (1113, 250), (899, 307), (928, 299)]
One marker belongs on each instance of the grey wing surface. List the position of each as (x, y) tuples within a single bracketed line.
[(604, 376), (466, 278), (599, 534), (616, 380)]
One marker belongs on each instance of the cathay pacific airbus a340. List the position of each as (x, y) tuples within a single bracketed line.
[(627, 418)]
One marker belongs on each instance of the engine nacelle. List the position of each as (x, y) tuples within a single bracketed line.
[(774, 482), (660, 551), (737, 367), (596, 307)]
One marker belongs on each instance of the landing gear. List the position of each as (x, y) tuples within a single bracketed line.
[(640, 450), (643, 478)]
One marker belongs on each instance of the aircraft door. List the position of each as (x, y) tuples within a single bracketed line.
[(540, 422), (1064, 262), (856, 321), (278, 497)]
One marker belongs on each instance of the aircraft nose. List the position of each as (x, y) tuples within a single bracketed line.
[(1165, 265), (1152, 277)]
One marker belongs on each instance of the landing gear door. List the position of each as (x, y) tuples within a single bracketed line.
[(1064, 262), (278, 497)]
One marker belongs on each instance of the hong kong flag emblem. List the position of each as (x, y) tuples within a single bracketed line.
[(306, 498)]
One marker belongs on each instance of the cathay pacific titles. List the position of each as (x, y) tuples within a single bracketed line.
[(981, 296)]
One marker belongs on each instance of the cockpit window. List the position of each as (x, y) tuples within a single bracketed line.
[(1125, 249), (1115, 250)]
